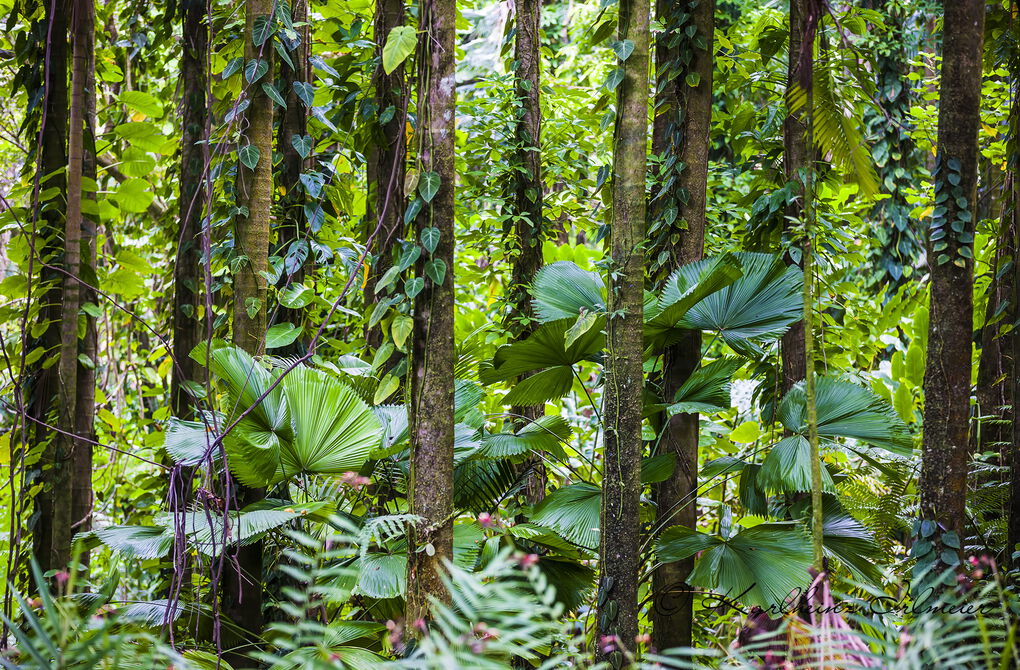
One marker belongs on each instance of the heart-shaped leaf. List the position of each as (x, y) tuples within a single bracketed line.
[(399, 45)]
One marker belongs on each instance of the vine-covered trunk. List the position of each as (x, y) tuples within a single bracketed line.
[(797, 155), (41, 396), (526, 206), (293, 239), (242, 569), (386, 160), (67, 372), (620, 523), (430, 488), (681, 129), (194, 200), (950, 257), (85, 377)]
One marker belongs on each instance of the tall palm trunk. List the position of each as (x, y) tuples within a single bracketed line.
[(948, 365), (620, 524), (242, 581), (430, 488), (387, 159), (42, 396), (194, 199), (526, 205), (681, 130)]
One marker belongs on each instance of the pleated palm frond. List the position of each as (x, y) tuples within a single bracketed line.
[(760, 566), (707, 389), (755, 309), (573, 513), (562, 290), (846, 410), (334, 430), (545, 434), (685, 288)]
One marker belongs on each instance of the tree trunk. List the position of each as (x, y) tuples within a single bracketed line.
[(387, 160), (620, 524), (797, 154), (526, 207), (194, 200), (948, 365), (430, 487), (242, 583), (293, 242), (44, 390), (681, 130), (67, 372), (1010, 345), (85, 407)]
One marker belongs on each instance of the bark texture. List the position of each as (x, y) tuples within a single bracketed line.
[(430, 487), (620, 524), (526, 206), (681, 130), (293, 233), (194, 200), (242, 573), (67, 372), (387, 160), (85, 406), (797, 154), (42, 395), (948, 365)]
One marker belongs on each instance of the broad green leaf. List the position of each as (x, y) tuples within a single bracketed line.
[(296, 296), (271, 91), (428, 185), (573, 512), (255, 69), (249, 156), (429, 238), (134, 196), (302, 144), (281, 335), (400, 329), (143, 102), (400, 44), (707, 389), (306, 92), (435, 269)]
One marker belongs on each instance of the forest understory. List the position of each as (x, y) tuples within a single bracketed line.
[(440, 334)]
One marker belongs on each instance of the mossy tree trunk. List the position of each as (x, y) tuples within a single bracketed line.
[(194, 200), (620, 524), (950, 255), (430, 488), (526, 224), (387, 160), (242, 569), (681, 130), (41, 396)]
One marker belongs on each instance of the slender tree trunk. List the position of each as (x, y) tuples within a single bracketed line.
[(620, 525), (1013, 529), (430, 487), (387, 160), (43, 393), (681, 130), (797, 154), (85, 407), (194, 199), (526, 206), (948, 366), (67, 372), (294, 247), (242, 583)]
